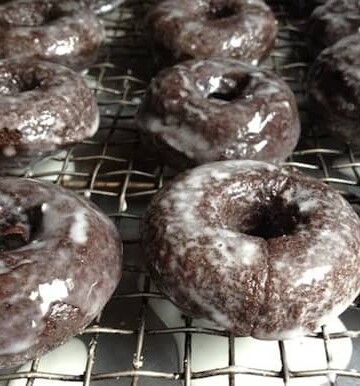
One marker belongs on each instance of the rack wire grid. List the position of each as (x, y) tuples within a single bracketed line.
[(115, 172)]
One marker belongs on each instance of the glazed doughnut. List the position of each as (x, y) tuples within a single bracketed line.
[(257, 249), (50, 30), (241, 29), (60, 261), (331, 22), (43, 108), (216, 109), (333, 88)]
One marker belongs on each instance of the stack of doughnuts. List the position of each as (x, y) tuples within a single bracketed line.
[(255, 248), (44, 105), (259, 250), (218, 105), (60, 256)]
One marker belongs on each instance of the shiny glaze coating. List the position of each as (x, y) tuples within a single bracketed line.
[(59, 274), (242, 29), (43, 107), (56, 31), (201, 111), (102, 6), (331, 22), (98, 6), (333, 87), (256, 249)]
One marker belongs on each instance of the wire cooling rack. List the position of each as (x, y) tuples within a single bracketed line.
[(119, 175)]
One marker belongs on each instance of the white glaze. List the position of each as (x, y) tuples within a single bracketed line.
[(48, 117), (104, 6), (207, 129), (242, 37), (59, 276), (185, 140), (78, 230), (32, 35)]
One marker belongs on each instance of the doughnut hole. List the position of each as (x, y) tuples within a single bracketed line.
[(219, 10), (13, 84), (18, 229), (229, 88), (268, 219), (53, 14), (275, 219)]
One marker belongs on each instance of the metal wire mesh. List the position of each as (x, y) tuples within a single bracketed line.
[(115, 172)]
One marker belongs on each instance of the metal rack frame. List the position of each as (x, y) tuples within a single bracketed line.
[(113, 170)]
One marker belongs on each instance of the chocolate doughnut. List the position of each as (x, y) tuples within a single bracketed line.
[(333, 88), (60, 261), (50, 30), (257, 249), (242, 29), (331, 22), (43, 107), (217, 109)]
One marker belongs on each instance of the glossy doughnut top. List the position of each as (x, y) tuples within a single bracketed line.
[(217, 109), (331, 22), (43, 107), (257, 249), (60, 261), (242, 29), (57, 31)]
